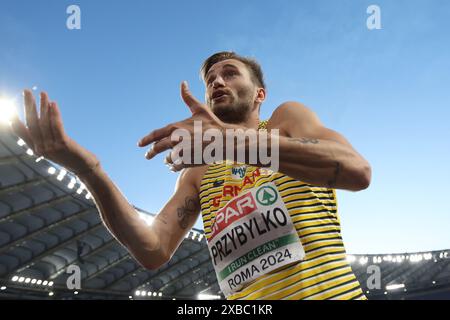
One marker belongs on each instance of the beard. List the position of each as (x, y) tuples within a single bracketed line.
[(236, 111)]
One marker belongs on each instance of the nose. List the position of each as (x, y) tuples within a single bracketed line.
[(218, 81)]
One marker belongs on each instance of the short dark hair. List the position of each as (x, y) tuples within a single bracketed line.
[(252, 65)]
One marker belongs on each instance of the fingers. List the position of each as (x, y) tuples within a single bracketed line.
[(43, 131), (157, 135), (32, 121), (174, 162), (160, 146), (22, 131), (189, 99), (174, 158), (56, 123), (44, 120)]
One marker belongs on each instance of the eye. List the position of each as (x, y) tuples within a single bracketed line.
[(209, 81), (230, 73)]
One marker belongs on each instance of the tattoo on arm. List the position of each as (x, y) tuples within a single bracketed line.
[(159, 218), (186, 212), (337, 170), (305, 140)]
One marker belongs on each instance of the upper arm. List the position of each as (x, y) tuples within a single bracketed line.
[(298, 121), (179, 214)]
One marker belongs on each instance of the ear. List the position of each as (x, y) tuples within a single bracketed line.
[(260, 95)]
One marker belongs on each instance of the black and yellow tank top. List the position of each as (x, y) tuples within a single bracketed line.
[(324, 273)]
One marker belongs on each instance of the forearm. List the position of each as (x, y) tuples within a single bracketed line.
[(122, 220), (323, 163)]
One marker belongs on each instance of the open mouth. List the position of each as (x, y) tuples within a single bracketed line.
[(219, 95)]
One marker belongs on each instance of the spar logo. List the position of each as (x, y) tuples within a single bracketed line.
[(233, 211), (266, 196)]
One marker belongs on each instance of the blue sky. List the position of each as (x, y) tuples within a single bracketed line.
[(385, 90)]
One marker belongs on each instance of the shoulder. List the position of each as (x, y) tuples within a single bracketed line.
[(288, 109), (294, 119), (292, 113), (191, 177)]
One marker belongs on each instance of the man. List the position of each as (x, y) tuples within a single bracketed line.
[(271, 235)]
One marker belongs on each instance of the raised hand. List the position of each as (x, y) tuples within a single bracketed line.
[(162, 137), (45, 135)]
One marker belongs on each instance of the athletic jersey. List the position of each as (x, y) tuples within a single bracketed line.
[(323, 272)]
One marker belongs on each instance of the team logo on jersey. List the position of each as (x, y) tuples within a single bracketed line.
[(266, 196), (238, 172)]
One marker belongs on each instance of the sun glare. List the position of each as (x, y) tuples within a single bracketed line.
[(7, 110)]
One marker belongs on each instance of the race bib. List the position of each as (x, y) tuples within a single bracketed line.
[(251, 236)]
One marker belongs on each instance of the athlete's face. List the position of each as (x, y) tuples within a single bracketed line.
[(230, 91)]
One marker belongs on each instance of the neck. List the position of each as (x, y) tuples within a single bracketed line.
[(252, 121)]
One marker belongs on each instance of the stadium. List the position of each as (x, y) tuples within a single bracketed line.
[(50, 230)]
